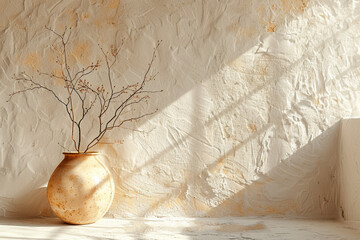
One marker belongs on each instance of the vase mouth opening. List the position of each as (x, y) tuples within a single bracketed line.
[(72, 153)]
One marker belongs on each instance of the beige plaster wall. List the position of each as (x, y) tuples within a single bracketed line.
[(247, 122), (349, 170)]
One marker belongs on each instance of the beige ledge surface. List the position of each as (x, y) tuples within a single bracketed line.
[(250, 228)]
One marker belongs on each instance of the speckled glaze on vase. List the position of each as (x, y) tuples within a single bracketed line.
[(81, 189)]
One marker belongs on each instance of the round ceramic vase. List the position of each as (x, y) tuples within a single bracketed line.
[(81, 189)]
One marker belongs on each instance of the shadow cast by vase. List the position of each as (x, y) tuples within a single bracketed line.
[(33, 204)]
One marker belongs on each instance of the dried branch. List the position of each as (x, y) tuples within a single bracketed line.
[(82, 97), (112, 121), (33, 85)]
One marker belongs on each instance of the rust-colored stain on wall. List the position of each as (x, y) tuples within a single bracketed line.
[(252, 127), (294, 6), (68, 18), (86, 15), (59, 79), (275, 15), (266, 18), (33, 61), (271, 27), (82, 52), (113, 4)]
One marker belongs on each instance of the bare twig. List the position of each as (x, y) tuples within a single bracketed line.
[(113, 103)]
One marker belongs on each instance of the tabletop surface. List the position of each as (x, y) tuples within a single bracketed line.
[(250, 228)]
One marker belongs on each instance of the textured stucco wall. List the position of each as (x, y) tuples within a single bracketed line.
[(247, 122)]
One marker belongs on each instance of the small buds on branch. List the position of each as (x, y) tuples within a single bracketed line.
[(83, 98)]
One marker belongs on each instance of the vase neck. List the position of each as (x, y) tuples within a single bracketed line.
[(77, 154)]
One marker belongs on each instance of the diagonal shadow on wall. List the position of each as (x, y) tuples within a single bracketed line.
[(263, 180), (312, 168)]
